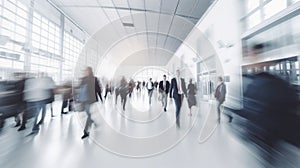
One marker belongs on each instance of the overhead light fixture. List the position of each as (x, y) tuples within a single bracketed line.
[(128, 24)]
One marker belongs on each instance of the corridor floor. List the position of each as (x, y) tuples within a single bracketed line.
[(141, 136)]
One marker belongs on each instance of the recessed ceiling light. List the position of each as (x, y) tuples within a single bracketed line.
[(128, 24)]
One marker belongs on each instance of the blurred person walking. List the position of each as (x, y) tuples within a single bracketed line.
[(191, 95), (164, 87), (150, 88), (36, 93), (123, 90), (87, 95), (177, 90), (220, 94)]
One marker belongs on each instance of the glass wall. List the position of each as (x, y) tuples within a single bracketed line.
[(151, 72), (31, 41), (71, 51), (13, 32), (257, 11)]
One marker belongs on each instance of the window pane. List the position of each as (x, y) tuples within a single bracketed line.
[(8, 25), (274, 7), (8, 14), (254, 19), (10, 6), (21, 21), (252, 4)]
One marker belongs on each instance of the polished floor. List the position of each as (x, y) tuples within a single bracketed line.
[(141, 136)]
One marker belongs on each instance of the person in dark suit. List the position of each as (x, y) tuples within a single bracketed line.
[(177, 89), (220, 94), (164, 87)]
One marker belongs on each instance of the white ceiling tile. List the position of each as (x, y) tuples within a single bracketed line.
[(123, 13), (152, 40), (186, 7), (137, 4), (139, 22), (179, 28), (169, 6), (90, 26), (112, 14), (76, 2), (164, 23), (121, 3), (153, 5), (160, 41), (152, 21), (105, 3), (201, 8)]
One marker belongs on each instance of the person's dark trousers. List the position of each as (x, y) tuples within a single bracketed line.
[(89, 120), (63, 106), (106, 91), (219, 109), (123, 100), (44, 113), (35, 108), (24, 120), (71, 104), (178, 103), (150, 95)]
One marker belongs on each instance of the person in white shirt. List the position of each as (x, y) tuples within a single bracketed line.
[(150, 87)]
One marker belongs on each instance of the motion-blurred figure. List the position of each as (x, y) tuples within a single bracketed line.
[(36, 93), (220, 94), (191, 95), (108, 88), (131, 86), (11, 101), (150, 88), (164, 87), (67, 99), (87, 95), (270, 107), (124, 90), (177, 89)]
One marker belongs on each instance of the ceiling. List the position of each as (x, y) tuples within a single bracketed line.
[(158, 24)]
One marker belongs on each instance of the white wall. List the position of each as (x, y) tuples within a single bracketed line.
[(221, 23), (223, 20)]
